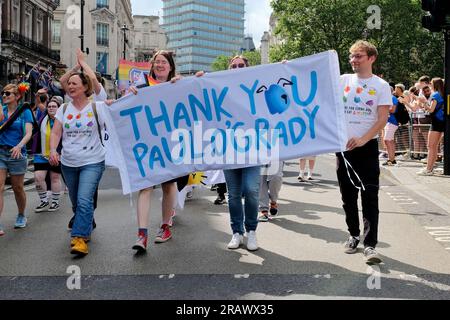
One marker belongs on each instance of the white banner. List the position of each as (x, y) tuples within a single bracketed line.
[(230, 119)]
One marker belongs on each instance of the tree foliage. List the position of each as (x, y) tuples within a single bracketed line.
[(406, 50)]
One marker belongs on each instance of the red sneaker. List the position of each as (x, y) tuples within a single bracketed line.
[(141, 244), (164, 234), (174, 213)]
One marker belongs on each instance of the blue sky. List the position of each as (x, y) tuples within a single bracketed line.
[(256, 17)]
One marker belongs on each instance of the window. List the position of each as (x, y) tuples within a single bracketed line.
[(28, 33), (56, 31), (102, 4), (16, 15), (102, 34), (39, 31), (102, 62)]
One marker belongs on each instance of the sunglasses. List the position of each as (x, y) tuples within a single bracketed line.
[(7, 93), (240, 65)]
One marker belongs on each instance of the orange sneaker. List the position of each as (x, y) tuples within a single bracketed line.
[(79, 246)]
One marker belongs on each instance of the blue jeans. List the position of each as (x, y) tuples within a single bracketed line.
[(82, 183), (243, 182)]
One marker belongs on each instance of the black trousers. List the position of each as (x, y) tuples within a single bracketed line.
[(364, 161), (222, 189)]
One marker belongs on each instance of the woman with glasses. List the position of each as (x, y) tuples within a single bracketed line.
[(162, 70), (41, 164), (15, 132), (243, 182)]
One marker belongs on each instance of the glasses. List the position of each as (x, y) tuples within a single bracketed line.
[(239, 65), (162, 62), (7, 93), (356, 56)]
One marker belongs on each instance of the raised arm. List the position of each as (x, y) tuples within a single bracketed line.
[(88, 71)]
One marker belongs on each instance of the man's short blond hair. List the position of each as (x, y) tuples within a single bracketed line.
[(369, 48)]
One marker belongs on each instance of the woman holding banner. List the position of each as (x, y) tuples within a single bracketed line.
[(16, 126), (243, 182), (162, 70)]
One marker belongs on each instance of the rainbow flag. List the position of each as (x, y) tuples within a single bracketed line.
[(152, 82), (132, 73)]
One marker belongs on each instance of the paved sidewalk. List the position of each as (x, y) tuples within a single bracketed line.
[(435, 188)]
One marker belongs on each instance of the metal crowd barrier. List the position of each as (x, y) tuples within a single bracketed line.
[(411, 141)]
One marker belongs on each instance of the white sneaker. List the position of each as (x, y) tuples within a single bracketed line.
[(425, 172), (252, 243), (236, 241)]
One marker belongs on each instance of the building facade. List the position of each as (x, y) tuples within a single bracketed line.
[(269, 39), (200, 30), (26, 37), (104, 35), (148, 37)]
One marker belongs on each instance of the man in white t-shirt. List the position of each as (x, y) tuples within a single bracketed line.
[(367, 99)]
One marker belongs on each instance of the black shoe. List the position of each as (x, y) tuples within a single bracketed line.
[(220, 200), (69, 227), (351, 246), (94, 225)]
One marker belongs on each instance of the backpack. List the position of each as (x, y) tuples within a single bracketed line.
[(401, 114), (94, 109)]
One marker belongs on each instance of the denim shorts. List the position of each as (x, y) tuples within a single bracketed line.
[(15, 167)]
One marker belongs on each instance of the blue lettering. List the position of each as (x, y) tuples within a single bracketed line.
[(251, 95), (194, 155), (281, 128), (132, 113), (166, 149), (262, 133), (218, 103), (152, 121), (182, 153), (297, 138), (139, 155), (311, 117), (312, 93), (195, 104), (239, 134), (156, 156), (214, 147), (181, 113)]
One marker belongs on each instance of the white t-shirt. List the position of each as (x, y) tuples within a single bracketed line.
[(102, 96), (361, 100), (80, 139)]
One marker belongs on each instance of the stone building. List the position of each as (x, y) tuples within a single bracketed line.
[(149, 36), (26, 37)]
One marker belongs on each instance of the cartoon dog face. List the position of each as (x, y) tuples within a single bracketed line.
[(277, 99)]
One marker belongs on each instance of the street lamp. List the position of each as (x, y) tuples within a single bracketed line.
[(82, 3), (124, 29)]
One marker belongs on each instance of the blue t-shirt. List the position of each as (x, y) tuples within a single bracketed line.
[(15, 133), (440, 101), (392, 118)]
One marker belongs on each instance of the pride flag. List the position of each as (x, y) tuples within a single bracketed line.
[(132, 73)]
